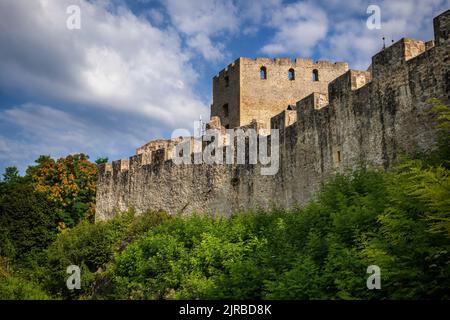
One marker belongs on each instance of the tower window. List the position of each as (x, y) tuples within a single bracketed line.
[(263, 73), (225, 110), (315, 75), (291, 74), (227, 81)]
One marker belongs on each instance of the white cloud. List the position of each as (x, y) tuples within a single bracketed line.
[(42, 129), (203, 16), (202, 20), (350, 40), (117, 82), (209, 50), (299, 26), (117, 61)]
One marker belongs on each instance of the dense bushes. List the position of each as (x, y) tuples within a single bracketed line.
[(397, 220), (319, 252), (27, 219)]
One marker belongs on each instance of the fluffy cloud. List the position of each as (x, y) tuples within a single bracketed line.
[(116, 60), (299, 26), (42, 129), (132, 72), (117, 70), (350, 40), (200, 20), (336, 30)]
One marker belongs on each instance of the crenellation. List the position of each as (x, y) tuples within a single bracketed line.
[(283, 61), (345, 118), (314, 101), (283, 119), (104, 168), (264, 87), (396, 55), (359, 78), (119, 166), (135, 162), (429, 44), (441, 25)]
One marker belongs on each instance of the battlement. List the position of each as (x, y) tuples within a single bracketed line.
[(396, 55), (297, 62), (314, 101), (260, 88), (284, 119), (119, 166), (225, 71), (150, 151), (441, 25), (349, 81), (330, 120)]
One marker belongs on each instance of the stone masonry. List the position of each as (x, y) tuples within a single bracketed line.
[(344, 119)]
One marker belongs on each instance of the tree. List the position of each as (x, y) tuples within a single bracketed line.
[(101, 160), (69, 183), (27, 220), (11, 174)]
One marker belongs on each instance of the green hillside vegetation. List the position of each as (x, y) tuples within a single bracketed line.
[(398, 220)]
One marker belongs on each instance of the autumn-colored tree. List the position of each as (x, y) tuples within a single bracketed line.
[(69, 183)]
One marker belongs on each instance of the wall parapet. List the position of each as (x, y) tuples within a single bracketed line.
[(441, 25), (358, 117)]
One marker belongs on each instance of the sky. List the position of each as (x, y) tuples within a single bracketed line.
[(137, 70)]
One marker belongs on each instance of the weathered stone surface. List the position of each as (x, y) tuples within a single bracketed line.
[(359, 117)]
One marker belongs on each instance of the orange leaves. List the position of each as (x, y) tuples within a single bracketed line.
[(67, 182)]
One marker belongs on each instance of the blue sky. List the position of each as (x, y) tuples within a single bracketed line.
[(137, 70)]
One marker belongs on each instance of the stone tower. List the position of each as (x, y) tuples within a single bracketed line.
[(261, 88)]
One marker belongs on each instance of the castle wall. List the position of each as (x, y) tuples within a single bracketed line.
[(360, 118), (226, 91), (261, 99)]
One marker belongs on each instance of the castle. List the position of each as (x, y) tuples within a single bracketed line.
[(329, 119)]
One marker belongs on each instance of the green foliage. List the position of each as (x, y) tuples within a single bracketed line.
[(91, 247), (69, 183), (398, 220), (441, 154), (13, 288), (395, 220), (101, 160), (11, 174), (27, 219)]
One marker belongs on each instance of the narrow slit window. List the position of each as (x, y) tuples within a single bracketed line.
[(263, 73), (291, 74), (339, 157), (225, 110), (315, 75), (227, 81)]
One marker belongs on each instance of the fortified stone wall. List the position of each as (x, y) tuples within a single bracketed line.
[(240, 95), (263, 99), (364, 117)]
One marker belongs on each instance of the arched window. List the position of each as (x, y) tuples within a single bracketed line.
[(263, 73), (315, 75), (225, 110), (291, 74)]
